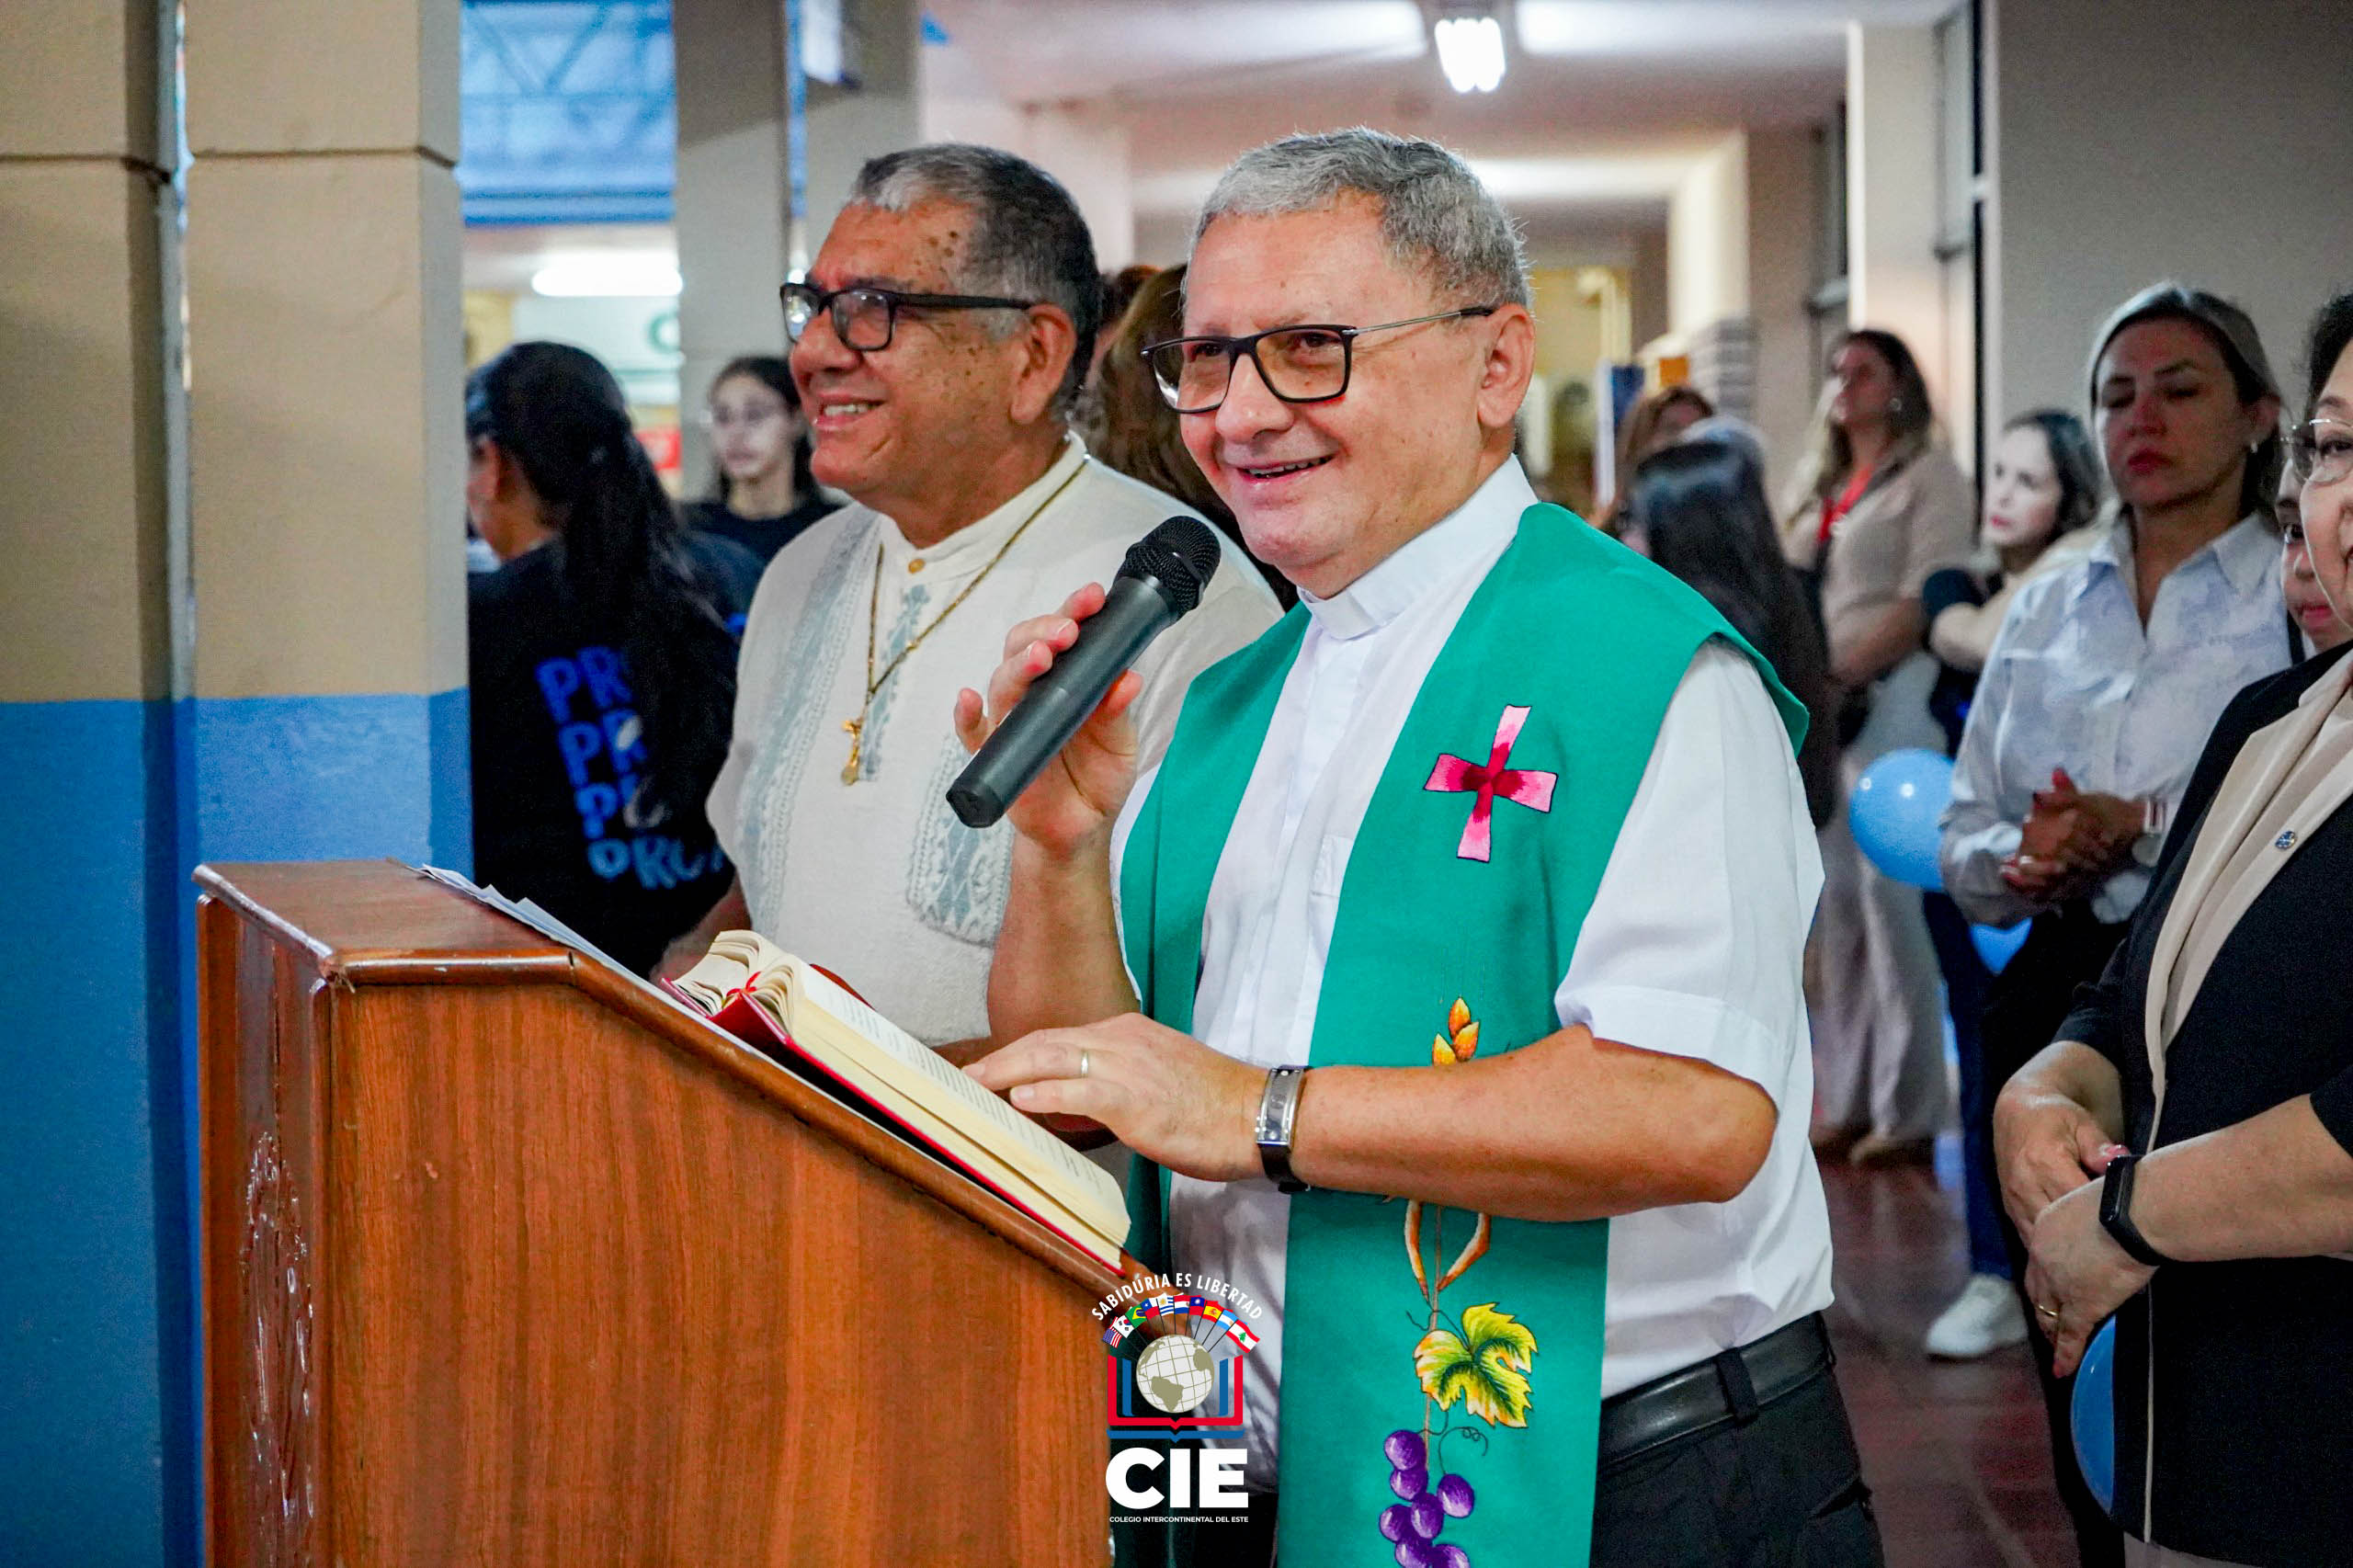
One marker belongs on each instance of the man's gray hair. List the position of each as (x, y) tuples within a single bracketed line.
[(1434, 212), (1027, 241)]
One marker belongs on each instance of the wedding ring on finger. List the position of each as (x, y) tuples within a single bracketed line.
[(2051, 1313), (1085, 1060)]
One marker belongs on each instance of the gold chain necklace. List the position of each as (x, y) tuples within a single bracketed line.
[(853, 769)]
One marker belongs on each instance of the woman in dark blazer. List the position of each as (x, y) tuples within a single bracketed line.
[(2183, 1157)]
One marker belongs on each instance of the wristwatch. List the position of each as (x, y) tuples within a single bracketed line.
[(2116, 1212), (1278, 1108)]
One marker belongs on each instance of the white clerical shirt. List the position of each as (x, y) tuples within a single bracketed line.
[(1692, 948)]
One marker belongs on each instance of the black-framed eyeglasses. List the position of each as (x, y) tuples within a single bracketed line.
[(865, 318), (1309, 363)]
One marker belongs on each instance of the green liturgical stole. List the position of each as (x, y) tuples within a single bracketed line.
[(1441, 1370)]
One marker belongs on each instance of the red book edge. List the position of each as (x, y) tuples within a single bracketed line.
[(744, 1019)]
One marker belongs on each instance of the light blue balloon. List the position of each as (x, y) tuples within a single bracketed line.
[(1998, 947), (1893, 815), (2095, 1415)]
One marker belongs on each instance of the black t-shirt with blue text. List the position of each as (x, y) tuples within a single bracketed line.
[(559, 753)]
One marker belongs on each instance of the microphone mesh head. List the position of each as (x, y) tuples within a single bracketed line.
[(1181, 555)]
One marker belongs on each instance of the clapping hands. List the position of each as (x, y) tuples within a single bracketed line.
[(2070, 842)]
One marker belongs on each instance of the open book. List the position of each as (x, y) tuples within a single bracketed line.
[(769, 999)]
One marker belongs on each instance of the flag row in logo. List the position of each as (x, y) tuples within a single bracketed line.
[(1213, 1323)]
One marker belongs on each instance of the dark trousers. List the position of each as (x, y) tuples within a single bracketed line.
[(1967, 983), (1784, 1491), (2029, 1002)]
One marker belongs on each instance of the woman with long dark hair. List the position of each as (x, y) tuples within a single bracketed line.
[(1699, 509), (602, 668), (1886, 509), (762, 494)]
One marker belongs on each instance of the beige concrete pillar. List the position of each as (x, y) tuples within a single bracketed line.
[(733, 201), (1894, 280), (1707, 239), (1709, 286), (1782, 205), (845, 126), (325, 438), (81, 371)]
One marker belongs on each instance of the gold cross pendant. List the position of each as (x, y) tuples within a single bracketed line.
[(850, 768)]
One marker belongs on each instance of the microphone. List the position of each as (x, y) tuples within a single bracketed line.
[(1161, 579)]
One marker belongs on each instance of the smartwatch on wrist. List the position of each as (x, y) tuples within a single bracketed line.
[(2116, 1212), (1277, 1109)]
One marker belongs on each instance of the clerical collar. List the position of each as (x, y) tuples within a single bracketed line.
[(1474, 534)]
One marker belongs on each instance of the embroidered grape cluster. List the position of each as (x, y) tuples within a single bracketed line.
[(1414, 1522)]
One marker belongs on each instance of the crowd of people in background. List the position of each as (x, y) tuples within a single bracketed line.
[(2094, 632)]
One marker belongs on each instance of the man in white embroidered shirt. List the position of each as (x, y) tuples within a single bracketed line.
[(939, 343), (1500, 838)]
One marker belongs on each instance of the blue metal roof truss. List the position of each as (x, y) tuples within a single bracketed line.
[(569, 111)]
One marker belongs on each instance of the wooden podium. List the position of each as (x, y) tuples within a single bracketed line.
[(508, 1263)]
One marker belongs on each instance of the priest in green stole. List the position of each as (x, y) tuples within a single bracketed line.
[(1443, 974)]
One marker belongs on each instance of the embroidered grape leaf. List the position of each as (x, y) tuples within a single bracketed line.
[(1488, 1374)]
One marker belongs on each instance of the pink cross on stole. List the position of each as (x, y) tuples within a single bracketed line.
[(1523, 786)]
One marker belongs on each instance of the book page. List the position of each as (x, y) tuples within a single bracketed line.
[(734, 958), (955, 1148), (1077, 1175)]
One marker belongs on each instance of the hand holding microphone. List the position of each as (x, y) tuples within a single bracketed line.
[(1060, 698), (1090, 782)]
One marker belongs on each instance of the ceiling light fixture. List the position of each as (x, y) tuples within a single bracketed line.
[(1471, 51), (618, 273)]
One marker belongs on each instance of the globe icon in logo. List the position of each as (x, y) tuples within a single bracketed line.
[(1176, 1375)]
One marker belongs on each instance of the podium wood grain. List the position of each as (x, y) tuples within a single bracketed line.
[(508, 1263)]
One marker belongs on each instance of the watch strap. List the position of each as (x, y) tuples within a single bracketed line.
[(2116, 1212), (1277, 1111)]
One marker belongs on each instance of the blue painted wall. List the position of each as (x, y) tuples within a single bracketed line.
[(93, 1199), (331, 778), (113, 804)]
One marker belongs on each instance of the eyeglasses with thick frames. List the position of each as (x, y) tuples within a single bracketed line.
[(2324, 452), (865, 318), (1308, 363)]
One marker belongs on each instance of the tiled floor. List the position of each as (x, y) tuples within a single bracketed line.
[(1956, 1453)]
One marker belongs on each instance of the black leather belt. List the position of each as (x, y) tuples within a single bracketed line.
[(1723, 1391)]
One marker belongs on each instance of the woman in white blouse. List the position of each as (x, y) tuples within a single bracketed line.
[(2104, 681)]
